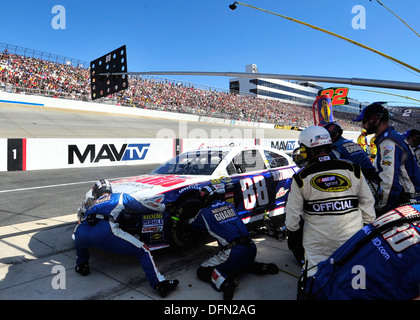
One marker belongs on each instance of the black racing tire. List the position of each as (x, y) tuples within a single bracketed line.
[(181, 235)]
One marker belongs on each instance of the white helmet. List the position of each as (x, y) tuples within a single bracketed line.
[(314, 136)]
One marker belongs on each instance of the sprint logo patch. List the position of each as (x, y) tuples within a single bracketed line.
[(328, 182)]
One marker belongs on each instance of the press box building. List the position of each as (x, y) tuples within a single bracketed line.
[(295, 92)]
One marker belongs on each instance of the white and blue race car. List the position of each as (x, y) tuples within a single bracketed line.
[(255, 179)]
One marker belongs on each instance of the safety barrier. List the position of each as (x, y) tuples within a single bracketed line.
[(56, 153)]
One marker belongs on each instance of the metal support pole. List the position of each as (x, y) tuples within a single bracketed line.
[(412, 86)]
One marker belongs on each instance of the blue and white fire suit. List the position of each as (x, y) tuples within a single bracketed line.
[(346, 149), (106, 235), (397, 168), (374, 264), (237, 252)]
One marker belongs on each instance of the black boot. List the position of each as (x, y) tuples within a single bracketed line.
[(266, 268), (83, 269), (166, 286), (229, 287)]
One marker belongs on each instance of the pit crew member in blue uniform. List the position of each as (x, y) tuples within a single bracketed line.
[(330, 195), (346, 149), (380, 262), (99, 229), (412, 137), (349, 150), (398, 170), (237, 250)]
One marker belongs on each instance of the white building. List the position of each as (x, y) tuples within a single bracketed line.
[(295, 92)]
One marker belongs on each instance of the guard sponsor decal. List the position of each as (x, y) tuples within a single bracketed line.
[(223, 213), (328, 182), (352, 147)]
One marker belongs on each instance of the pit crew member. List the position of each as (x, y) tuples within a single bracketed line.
[(237, 250), (99, 229), (398, 170)]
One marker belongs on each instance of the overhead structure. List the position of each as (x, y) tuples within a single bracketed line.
[(361, 45), (399, 18), (109, 75)]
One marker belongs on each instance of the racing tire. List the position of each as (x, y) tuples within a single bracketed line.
[(181, 235)]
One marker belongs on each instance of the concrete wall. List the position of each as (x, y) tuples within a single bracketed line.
[(55, 153)]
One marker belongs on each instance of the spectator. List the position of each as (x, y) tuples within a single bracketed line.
[(66, 81), (38, 76)]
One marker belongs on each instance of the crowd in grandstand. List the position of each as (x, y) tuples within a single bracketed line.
[(39, 76), (43, 75), (172, 96)]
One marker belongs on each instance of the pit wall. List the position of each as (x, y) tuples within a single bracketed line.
[(51, 153), (55, 153)]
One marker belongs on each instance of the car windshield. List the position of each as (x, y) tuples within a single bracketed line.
[(201, 162)]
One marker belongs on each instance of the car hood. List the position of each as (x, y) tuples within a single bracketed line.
[(145, 186)]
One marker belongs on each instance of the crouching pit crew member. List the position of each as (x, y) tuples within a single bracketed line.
[(331, 196), (237, 250), (99, 229)]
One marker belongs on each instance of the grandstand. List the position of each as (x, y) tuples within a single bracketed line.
[(29, 71)]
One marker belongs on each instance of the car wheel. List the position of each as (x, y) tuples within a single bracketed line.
[(181, 235)]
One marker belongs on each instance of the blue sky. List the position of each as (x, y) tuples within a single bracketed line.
[(199, 35)]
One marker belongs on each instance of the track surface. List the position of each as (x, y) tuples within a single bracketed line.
[(17, 121), (32, 195)]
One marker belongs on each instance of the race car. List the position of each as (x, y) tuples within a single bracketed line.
[(255, 179)]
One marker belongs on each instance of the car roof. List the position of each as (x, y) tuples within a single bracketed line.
[(226, 148)]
